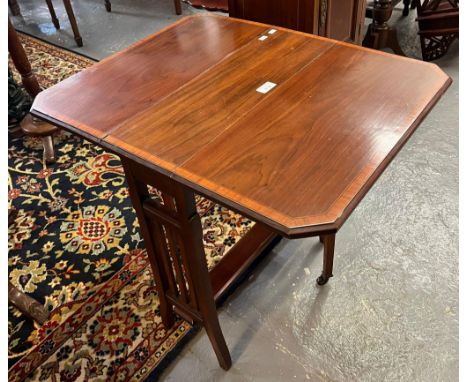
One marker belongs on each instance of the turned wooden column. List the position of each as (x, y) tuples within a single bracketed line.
[(18, 55), (73, 23), (379, 34), (29, 125)]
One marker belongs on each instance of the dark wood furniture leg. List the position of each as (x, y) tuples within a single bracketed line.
[(21, 62), (14, 7), (44, 130), (108, 5), (406, 9), (328, 254), (55, 20), (379, 34), (74, 25), (27, 305), (173, 238), (30, 125), (178, 7)]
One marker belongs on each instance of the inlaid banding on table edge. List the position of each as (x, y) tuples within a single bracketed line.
[(135, 69), (364, 143), (297, 159)]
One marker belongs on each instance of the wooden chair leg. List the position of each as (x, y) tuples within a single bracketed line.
[(14, 7), (21, 62), (55, 20), (74, 25), (328, 255), (178, 7), (27, 305), (108, 5)]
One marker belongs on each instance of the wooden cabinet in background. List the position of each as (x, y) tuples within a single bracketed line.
[(337, 19)]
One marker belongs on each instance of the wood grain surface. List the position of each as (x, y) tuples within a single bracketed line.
[(298, 158)]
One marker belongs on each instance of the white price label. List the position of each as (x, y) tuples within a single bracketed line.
[(266, 87)]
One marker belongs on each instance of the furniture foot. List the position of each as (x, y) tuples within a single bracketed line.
[(328, 254), (108, 5), (322, 280), (49, 154), (27, 305), (74, 25), (37, 128), (52, 14)]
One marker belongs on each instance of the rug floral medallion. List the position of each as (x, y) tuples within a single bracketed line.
[(75, 246)]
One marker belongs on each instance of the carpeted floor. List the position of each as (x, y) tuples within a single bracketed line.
[(75, 246)]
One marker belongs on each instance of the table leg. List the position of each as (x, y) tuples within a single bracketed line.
[(172, 232), (138, 193), (178, 7), (18, 55), (328, 254), (108, 5), (407, 4), (74, 25), (52, 14), (14, 7), (379, 34), (49, 153)]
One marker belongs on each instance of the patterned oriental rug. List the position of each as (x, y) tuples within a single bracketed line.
[(75, 246)]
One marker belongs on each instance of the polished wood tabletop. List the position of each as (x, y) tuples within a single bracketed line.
[(187, 102)]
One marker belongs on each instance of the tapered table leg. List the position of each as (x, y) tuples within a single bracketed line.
[(173, 236), (192, 235), (74, 25), (138, 193), (52, 14), (328, 254), (178, 7), (14, 7), (407, 7)]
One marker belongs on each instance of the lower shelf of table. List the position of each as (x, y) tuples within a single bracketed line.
[(236, 262)]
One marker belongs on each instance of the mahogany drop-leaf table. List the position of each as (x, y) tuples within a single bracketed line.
[(289, 129)]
